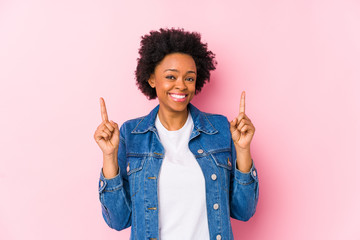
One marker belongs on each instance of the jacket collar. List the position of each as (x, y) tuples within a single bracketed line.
[(201, 122)]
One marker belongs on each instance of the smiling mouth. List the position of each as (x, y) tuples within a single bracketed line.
[(178, 97)]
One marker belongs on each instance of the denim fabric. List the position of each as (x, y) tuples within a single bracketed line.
[(130, 198)]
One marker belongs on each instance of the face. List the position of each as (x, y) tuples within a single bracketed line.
[(174, 80)]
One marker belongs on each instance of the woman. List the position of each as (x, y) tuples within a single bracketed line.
[(176, 173)]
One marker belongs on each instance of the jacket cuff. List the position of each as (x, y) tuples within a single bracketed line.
[(247, 178), (110, 184)]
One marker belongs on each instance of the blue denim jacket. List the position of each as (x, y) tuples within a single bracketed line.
[(131, 199)]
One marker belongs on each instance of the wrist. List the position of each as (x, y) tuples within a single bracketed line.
[(110, 156), (242, 150), (243, 160), (110, 167)]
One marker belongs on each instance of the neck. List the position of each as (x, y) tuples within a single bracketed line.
[(172, 121)]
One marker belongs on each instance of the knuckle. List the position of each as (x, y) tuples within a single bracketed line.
[(97, 134), (111, 128)]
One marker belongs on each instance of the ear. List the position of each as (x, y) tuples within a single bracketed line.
[(151, 80)]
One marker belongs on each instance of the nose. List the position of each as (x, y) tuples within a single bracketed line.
[(180, 84)]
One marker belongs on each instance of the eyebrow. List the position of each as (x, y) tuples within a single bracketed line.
[(175, 70)]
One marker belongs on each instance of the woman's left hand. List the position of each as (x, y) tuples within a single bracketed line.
[(241, 128)]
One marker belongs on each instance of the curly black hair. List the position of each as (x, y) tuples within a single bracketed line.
[(157, 44)]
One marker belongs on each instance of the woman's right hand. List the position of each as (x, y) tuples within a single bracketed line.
[(107, 134)]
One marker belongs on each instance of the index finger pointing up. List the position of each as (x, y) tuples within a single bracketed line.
[(104, 115), (242, 103)]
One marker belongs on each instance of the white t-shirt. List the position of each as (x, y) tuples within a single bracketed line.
[(181, 187)]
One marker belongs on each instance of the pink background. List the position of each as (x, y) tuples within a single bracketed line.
[(298, 61)]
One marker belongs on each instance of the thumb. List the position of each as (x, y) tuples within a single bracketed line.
[(233, 125), (115, 125)]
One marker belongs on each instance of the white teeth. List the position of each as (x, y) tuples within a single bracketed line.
[(177, 96)]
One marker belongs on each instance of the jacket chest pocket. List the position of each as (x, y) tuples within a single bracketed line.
[(224, 164), (134, 171)]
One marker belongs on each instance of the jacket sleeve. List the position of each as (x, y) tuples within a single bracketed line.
[(244, 190), (114, 193)]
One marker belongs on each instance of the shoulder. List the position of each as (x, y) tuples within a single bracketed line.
[(212, 123), (207, 115), (132, 123), (215, 118), (217, 130)]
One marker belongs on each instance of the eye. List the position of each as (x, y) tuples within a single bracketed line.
[(170, 77), (190, 79)]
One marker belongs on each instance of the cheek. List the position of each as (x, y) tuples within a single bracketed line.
[(163, 88), (192, 87)]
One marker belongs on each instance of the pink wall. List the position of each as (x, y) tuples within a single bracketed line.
[(298, 61)]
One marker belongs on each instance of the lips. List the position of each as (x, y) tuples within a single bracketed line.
[(178, 97)]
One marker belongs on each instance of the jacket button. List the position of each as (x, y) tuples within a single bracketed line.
[(254, 173), (218, 237), (216, 206), (200, 151), (101, 183), (213, 177)]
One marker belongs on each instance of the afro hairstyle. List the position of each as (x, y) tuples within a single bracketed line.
[(157, 44)]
